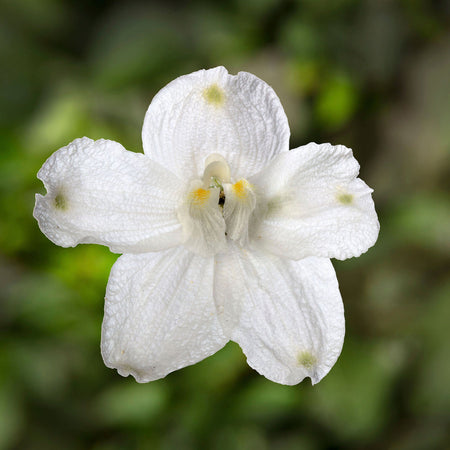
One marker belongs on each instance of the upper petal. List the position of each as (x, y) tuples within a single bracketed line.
[(97, 192), (286, 315), (210, 111), (159, 314), (315, 205)]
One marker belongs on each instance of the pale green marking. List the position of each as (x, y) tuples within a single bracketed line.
[(345, 199), (214, 95), (306, 359), (216, 183), (274, 205), (60, 202)]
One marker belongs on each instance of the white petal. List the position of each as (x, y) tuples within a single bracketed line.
[(100, 193), (287, 316), (315, 205), (159, 314), (202, 220), (239, 117), (240, 202)]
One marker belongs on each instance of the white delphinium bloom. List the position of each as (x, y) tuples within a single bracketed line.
[(225, 233)]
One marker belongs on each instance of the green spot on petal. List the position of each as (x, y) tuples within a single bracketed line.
[(214, 95), (345, 199), (306, 359), (60, 202)]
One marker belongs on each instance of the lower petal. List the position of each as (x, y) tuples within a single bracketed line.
[(159, 314), (287, 316)]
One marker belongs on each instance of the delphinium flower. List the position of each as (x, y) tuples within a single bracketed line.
[(225, 233)]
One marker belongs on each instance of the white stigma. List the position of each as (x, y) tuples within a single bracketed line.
[(216, 167)]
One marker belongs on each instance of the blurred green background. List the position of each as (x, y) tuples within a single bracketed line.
[(373, 75)]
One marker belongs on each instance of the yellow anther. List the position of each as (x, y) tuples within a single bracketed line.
[(240, 189), (200, 196)]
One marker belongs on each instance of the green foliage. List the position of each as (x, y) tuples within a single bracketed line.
[(367, 74)]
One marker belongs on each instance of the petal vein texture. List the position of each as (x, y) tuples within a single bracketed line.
[(160, 314), (315, 205), (248, 126), (97, 192), (286, 315)]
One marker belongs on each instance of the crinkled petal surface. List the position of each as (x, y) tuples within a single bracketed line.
[(286, 315), (315, 205), (210, 111), (160, 314), (97, 192)]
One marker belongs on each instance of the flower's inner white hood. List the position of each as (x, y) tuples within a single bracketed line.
[(216, 207)]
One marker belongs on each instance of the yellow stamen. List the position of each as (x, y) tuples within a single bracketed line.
[(240, 189), (200, 196)]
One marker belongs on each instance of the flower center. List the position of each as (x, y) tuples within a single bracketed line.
[(216, 209)]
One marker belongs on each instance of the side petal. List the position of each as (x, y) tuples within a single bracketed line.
[(286, 315), (315, 205), (159, 314), (97, 192), (239, 117)]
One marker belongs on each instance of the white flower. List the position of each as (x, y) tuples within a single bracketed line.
[(226, 234)]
